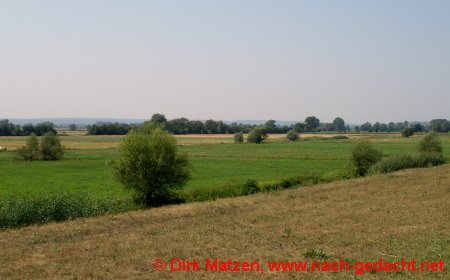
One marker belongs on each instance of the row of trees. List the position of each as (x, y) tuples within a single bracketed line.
[(186, 126), (9, 129), (110, 128), (390, 127)]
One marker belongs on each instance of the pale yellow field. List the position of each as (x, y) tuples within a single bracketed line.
[(79, 139)]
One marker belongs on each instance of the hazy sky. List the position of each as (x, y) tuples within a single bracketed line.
[(233, 59)]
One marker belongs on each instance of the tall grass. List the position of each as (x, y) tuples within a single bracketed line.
[(44, 208), (399, 162), (252, 186)]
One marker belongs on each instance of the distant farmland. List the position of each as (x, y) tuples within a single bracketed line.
[(216, 162)]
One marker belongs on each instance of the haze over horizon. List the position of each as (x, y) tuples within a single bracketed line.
[(226, 60)]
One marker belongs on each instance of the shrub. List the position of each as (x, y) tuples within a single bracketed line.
[(250, 187), (292, 135), (408, 131), (31, 149), (257, 135), (148, 163), (430, 144), (51, 148), (399, 162), (239, 137), (363, 156), (339, 137)]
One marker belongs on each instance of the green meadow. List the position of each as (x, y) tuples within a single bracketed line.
[(213, 165)]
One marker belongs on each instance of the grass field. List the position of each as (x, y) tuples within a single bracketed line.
[(393, 216), (214, 166), (79, 140)]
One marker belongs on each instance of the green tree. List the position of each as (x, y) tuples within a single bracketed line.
[(257, 135), (211, 126), (51, 148), (363, 156), (366, 127), (72, 127), (312, 123), (31, 149), (6, 128), (149, 163), (408, 131), (158, 119), (430, 144), (292, 135), (440, 125), (42, 128), (339, 124), (299, 127), (271, 126)]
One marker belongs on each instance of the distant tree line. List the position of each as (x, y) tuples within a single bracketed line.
[(186, 126), (109, 128), (9, 129), (311, 124)]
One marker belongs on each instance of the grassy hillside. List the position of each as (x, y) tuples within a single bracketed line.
[(403, 214)]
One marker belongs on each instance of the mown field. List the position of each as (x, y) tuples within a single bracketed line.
[(215, 161), (392, 216)]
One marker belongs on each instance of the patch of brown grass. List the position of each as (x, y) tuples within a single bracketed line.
[(403, 214)]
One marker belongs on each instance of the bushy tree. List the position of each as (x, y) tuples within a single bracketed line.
[(363, 156), (271, 126), (42, 128), (72, 127), (6, 128), (408, 131), (312, 123), (158, 119), (299, 127), (339, 124), (366, 127), (292, 135), (440, 125), (51, 148), (257, 135), (149, 163), (430, 144), (31, 149), (238, 137)]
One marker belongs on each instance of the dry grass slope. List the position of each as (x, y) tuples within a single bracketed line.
[(403, 214)]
